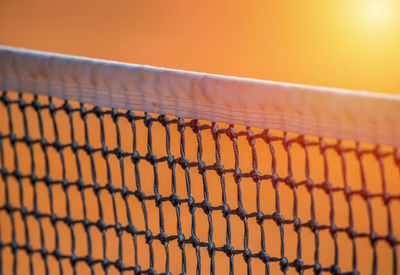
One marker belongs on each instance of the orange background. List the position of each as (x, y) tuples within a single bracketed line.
[(329, 43)]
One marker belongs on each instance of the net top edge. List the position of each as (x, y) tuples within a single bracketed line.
[(320, 111)]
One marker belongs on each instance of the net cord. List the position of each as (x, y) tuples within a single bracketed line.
[(325, 112)]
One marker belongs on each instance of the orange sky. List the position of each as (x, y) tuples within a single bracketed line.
[(345, 44)]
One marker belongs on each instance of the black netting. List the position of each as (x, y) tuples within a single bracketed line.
[(85, 189)]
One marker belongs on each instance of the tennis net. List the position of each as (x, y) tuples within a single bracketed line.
[(110, 168)]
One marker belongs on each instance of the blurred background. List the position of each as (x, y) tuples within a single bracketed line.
[(344, 44)]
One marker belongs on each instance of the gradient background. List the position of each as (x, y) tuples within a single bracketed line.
[(341, 43), (344, 44)]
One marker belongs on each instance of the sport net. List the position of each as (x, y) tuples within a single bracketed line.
[(88, 189)]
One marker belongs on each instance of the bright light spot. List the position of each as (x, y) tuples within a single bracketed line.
[(378, 13)]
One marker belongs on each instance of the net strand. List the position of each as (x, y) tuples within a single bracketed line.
[(224, 209)]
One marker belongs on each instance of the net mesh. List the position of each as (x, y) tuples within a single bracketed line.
[(87, 189)]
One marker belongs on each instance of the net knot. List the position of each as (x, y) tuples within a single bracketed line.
[(44, 252), (14, 246), (57, 144), (110, 187), (373, 237), (35, 104), (256, 175), (226, 211), (97, 111), (250, 137), (5, 99), (298, 265), (89, 260), (21, 103), (347, 192), (119, 265), (351, 232), (327, 187), (191, 205), (386, 198), (241, 212), (228, 250), (378, 153), (158, 200), (130, 228), (219, 168), (23, 211), (297, 224), (335, 270), (231, 132), (137, 270), (202, 167), (181, 125), (69, 221), (309, 184), (317, 268), (163, 237), (73, 259), (83, 111), (195, 241), (264, 257), (17, 174), (53, 219), (57, 253), (284, 264), (174, 199), (151, 157), (106, 263), (183, 162), (101, 225), (260, 217), (13, 139), (286, 142), (43, 142), (130, 116), (140, 195), (247, 255), (114, 115), (313, 225), (124, 192), (66, 106), (291, 182), (275, 179), (391, 239), (365, 193), (211, 249), (86, 223), (74, 146), (333, 230), (118, 229), (164, 120), (148, 236), (206, 206), (237, 175), (152, 271), (104, 151), (135, 157), (266, 136), (181, 240), (215, 131), (322, 146), (80, 184), (195, 125), (171, 161), (278, 218)]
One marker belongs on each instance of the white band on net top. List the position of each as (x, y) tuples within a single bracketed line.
[(302, 109)]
